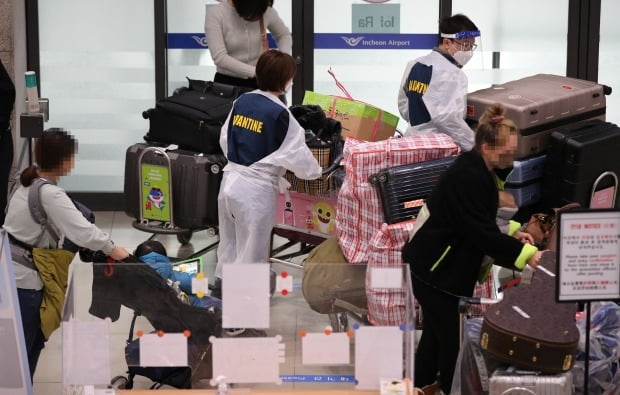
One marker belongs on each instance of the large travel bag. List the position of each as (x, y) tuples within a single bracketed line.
[(578, 155), (540, 104), (404, 189), (192, 117), (528, 328), (196, 182)]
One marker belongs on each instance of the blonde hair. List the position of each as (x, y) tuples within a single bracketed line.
[(493, 127)]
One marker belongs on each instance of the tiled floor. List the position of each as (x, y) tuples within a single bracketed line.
[(289, 315)]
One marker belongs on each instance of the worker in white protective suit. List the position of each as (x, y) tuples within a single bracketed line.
[(261, 140), (433, 92)]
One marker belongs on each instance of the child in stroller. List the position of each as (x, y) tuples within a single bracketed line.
[(140, 288), (154, 254)]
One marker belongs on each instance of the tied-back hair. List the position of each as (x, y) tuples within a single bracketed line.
[(148, 247), (51, 149), (493, 127)]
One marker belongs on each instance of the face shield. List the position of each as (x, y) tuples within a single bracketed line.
[(464, 44)]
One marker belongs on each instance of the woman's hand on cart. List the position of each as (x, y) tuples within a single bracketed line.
[(118, 253)]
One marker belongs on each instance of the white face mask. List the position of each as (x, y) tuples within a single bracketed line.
[(288, 86), (462, 57)]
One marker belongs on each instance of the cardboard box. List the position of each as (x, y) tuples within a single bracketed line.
[(308, 213), (359, 120)]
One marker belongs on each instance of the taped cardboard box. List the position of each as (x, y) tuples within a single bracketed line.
[(360, 120)]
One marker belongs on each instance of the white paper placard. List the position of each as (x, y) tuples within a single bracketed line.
[(386, 277), (245, 295), (247, 360), (284, 284), (86, 352), (378, 353), (589, 256), (200, 286), (322, 349), (167, 350)]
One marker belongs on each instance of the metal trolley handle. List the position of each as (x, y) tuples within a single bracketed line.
[(161, 152), (600, 179)]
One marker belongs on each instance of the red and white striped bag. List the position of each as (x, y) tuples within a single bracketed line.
[(387, 307), (359, 215)]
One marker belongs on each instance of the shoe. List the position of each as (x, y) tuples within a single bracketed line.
[(243, 332), (231, 332)]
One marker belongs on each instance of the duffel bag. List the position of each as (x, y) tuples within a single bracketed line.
[(192, 117)]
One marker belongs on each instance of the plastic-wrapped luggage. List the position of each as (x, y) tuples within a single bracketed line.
[(510, 381), (539, 105), (404, 189), (196, 180)]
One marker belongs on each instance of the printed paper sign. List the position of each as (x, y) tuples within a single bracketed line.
[(155, 192)]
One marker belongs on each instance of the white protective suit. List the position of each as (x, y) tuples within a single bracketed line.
[(444, 96), (248, 193)]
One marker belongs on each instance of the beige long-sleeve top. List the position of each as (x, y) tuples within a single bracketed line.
[(235, 44)]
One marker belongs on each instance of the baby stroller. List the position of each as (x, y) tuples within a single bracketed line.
[(138, 287)]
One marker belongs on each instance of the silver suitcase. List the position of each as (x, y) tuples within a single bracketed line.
[(513, 382), (540, 104)]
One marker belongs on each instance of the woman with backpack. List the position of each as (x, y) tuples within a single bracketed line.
[(35, 234)]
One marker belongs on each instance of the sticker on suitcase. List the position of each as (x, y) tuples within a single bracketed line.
[(156, 192)]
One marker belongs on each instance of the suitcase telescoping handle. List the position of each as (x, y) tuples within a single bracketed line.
[(160, 152)]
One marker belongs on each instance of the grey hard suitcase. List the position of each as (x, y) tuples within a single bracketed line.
[(540, 104), (578, 155), (511, 382), (196, 180)]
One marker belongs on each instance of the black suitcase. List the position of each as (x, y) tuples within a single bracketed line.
[(577, 156), (192, 117), (196, 180), (404, 189)]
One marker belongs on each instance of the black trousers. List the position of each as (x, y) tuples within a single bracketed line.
[(438, 348)]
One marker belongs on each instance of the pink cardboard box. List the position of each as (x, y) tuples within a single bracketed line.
[(308, 213)]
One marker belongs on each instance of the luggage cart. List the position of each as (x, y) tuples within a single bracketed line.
[(302, 232), (157, 215)]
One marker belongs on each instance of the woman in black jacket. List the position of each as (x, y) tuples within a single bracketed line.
[(458, 230)]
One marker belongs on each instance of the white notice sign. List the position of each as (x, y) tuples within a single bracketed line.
[(589, 256)]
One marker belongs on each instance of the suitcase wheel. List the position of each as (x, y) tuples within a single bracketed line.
[(215, 168), (382, 178), (373, 179)]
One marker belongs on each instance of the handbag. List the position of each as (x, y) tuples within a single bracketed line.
[(542, 227)]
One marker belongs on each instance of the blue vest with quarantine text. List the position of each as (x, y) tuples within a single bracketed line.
[(256, 129), (415, 88)]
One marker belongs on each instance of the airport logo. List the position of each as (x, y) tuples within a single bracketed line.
[(352, 41), (202, 41)]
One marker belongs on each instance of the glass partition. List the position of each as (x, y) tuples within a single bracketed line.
[(187, 54), (369, 55), (127, 318), (519, 38), (98, 77)]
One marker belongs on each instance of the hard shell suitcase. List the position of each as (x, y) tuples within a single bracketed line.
[(192, 118), (540, 104), (528, 169), (578, 155), (528, 328), (196, 180), (404, 189), (525, 194), (510, 381)]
